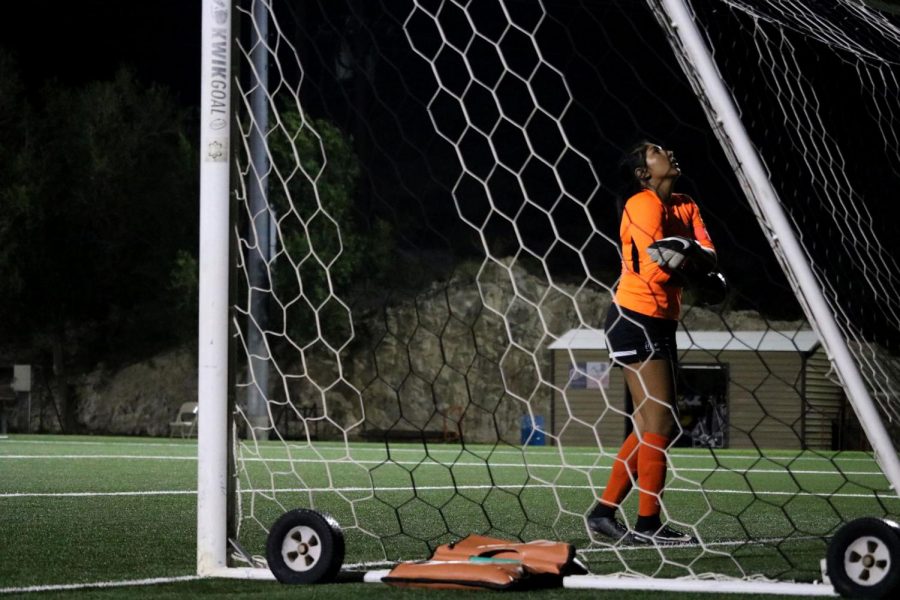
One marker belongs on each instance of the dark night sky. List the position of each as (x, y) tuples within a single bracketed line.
[(88, 40)]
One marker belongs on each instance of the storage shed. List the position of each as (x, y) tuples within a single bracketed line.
[(737, 389)]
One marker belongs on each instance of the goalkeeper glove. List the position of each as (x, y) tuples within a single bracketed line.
[(676, 252), (712, 288)]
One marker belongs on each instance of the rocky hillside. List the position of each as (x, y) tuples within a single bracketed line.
[(466, 354)]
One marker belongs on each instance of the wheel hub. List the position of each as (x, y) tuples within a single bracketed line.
[(301, 548), (867, 560)]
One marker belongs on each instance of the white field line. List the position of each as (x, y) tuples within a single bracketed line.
[(100, 456), (702, 544), (532, 465), (166, 443), (432, 449), (98, 494), (438, 488), (532, 451), (431, 488), (96, 584), (432, 463)]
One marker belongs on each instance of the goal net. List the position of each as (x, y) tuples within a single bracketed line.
[(425, 236)]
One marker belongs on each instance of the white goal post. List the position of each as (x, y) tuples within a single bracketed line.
[(372, 459), (213, 332)]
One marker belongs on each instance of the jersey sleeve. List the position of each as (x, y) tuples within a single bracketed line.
[(642, 224), (699, 228)]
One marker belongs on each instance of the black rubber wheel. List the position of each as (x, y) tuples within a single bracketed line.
[(305, 546), (864, 559)]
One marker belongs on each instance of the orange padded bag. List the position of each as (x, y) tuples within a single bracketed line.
[(540, 557), (456, 574), (478, 561)]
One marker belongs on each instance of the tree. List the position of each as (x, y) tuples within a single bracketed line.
[(13, 116), (326, 247), (95, 208)]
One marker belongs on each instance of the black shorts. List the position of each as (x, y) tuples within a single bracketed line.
[(632, 337)]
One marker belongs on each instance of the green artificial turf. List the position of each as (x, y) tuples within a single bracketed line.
[(85, 510)]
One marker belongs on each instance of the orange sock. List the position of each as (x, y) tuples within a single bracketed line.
[(622, 474), (651, 472)]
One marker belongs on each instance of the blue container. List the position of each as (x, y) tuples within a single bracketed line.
[(533, 431)]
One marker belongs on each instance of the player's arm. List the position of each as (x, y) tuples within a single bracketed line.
[(643, 219), (675, 253), (709, 258), (700, 271), (678, 253)]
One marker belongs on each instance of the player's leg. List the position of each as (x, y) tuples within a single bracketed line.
[(652, 386), (621, 479), (624, 338)]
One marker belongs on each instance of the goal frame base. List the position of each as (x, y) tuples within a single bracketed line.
[(607, 582), (717, 586)]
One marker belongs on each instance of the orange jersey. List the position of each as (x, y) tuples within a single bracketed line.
[(645, 287)]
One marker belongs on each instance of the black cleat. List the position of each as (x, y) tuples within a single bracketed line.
[(609, 527), (664, 536)]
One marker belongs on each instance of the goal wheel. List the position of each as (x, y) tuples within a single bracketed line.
[(864, 559), (305, 546)]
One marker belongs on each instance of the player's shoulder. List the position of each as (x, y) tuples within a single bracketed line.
[(684, 204), (685, 199), (644, 200)]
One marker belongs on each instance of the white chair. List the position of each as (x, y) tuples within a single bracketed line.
[(185, 421)]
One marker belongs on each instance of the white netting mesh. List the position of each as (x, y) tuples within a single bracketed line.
[(428, 243), (820, 86)]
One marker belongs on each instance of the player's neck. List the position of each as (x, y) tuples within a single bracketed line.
[(663, 189)]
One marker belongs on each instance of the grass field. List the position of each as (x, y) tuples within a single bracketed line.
[(90, 511)]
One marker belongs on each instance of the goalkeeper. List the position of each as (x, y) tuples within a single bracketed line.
[(664, 246)]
